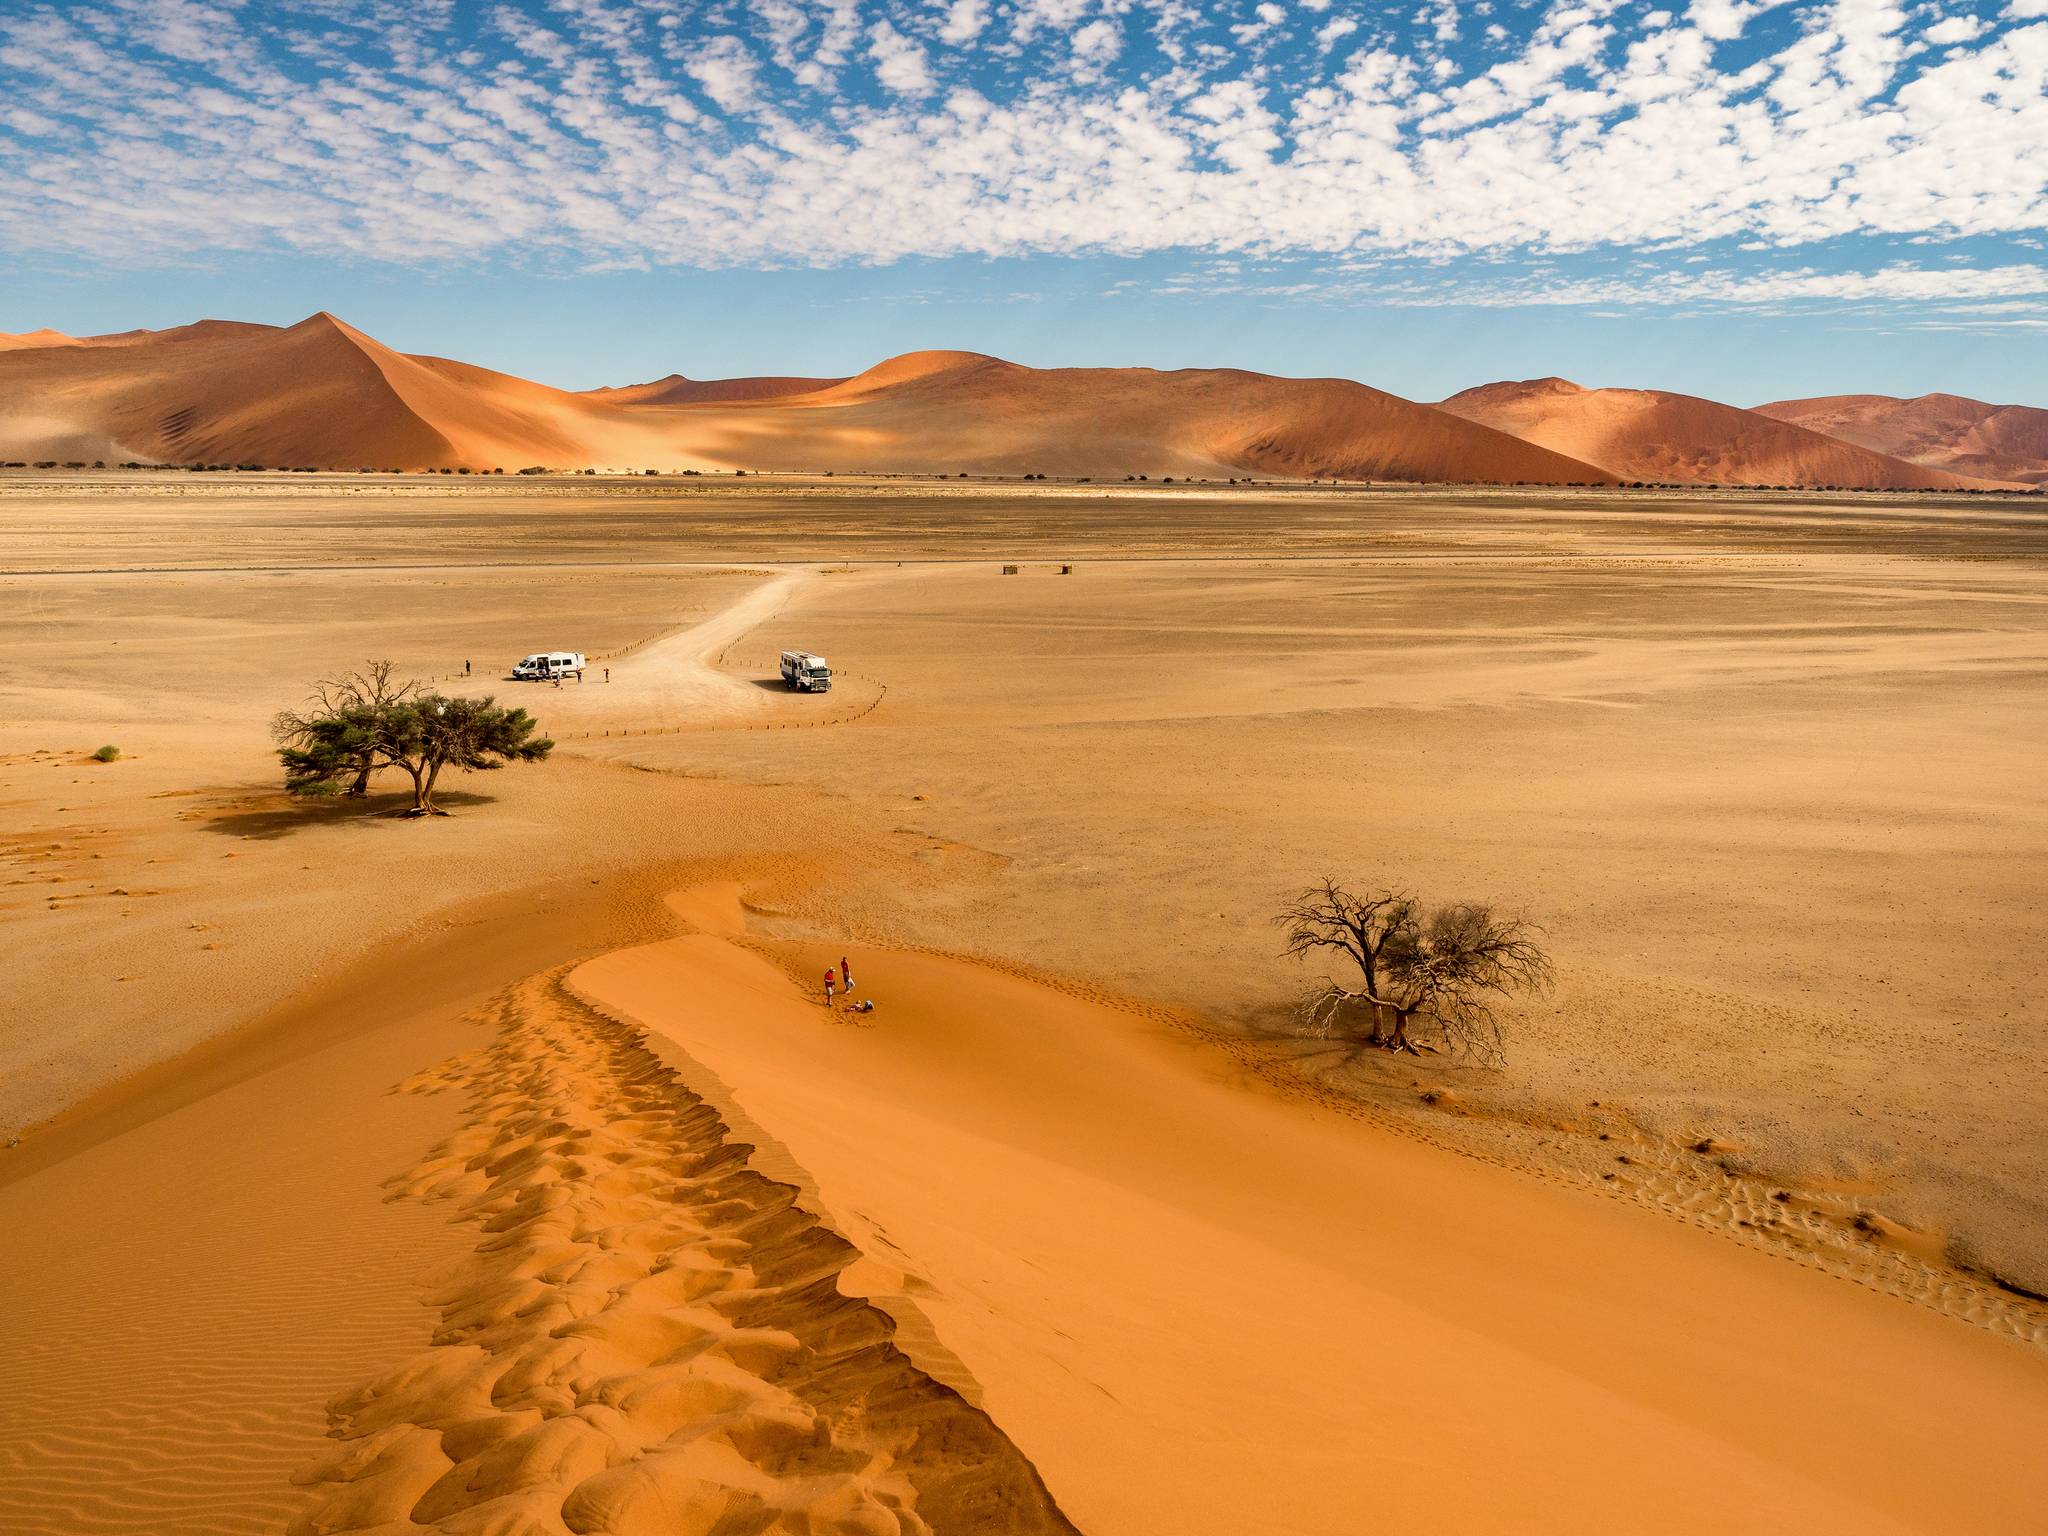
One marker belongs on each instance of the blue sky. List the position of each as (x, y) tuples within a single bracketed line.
[(1732, 197)]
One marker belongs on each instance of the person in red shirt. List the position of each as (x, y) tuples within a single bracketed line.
[(831, 977)]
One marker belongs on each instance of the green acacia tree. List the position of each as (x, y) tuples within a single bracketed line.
[(335, 747), (338, 718), (432, 731)]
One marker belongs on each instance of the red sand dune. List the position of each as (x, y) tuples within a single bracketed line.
[(43, 338), (677, 390), (317, 394), (322, 394), (1648, 434), (1953, 432), (951, 411)]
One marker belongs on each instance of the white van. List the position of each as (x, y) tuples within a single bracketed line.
[(806, 673), (547, 664)]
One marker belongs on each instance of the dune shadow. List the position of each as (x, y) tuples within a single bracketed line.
[(280, 816)]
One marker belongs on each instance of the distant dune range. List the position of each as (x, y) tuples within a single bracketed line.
[(323, 395), (2003, 442), (1653, 435)]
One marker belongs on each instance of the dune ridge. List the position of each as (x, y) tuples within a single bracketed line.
[(1954, 432), (649, 1336), (321, 394), (677, 390), (10, 342), (1655, 435)]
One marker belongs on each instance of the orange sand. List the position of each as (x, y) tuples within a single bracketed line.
[(1654, 435), (1152, 1271)]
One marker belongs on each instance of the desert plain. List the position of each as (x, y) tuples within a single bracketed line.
[(505, 1172)]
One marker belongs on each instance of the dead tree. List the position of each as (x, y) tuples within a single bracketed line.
[(1428, 980)]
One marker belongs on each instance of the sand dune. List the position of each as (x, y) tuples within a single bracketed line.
[(1649, 434), (1164, 1276), (321, 394), (677, 390), (649, 1335), (1999, 442), (317, 394), (953, 411), (27, 339)]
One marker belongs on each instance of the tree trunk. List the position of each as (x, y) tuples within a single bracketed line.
[(420, 807), (361, 786), (426, 796)]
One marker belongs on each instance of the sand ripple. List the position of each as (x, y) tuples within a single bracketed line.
[(649, 1335)]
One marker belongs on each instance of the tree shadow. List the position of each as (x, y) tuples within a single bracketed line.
[(279, 815), (1337, 1048)]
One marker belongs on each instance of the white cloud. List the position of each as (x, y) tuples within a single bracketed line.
[(1097, 43), (900, 64), (802, 131), (727, 72), (964, 21), (1331, 32)]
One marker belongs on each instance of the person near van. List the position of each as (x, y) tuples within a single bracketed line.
[(607, 674), (465, 669), (831, 977)]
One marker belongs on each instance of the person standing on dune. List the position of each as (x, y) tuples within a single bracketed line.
[(846, 974), (830, 977)]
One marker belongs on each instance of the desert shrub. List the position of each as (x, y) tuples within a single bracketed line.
[(107, 754)]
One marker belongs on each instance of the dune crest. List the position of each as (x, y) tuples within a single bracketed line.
[(649, 1336), (1655, 435), (27, 339), (321, 394), (1954, 432), (678, 390)]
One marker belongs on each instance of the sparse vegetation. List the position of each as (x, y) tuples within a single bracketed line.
[(107, 754), (366, 721), (1429, 979), (340, 721)]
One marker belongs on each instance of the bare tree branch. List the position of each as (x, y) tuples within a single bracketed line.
[(1439, 973)]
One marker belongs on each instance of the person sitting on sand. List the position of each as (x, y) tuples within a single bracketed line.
[(865, 1005)]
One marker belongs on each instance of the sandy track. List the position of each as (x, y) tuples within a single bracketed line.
[(674, 680), (649, 1336)]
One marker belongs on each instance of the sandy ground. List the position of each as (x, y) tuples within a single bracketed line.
[(1765, 769), (1145, 1267)]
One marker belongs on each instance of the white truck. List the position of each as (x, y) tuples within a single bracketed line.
[(543, 665), (806, 673)]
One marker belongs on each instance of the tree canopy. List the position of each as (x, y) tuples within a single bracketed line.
[(364, 722), (354, 697), (1429, 977)]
